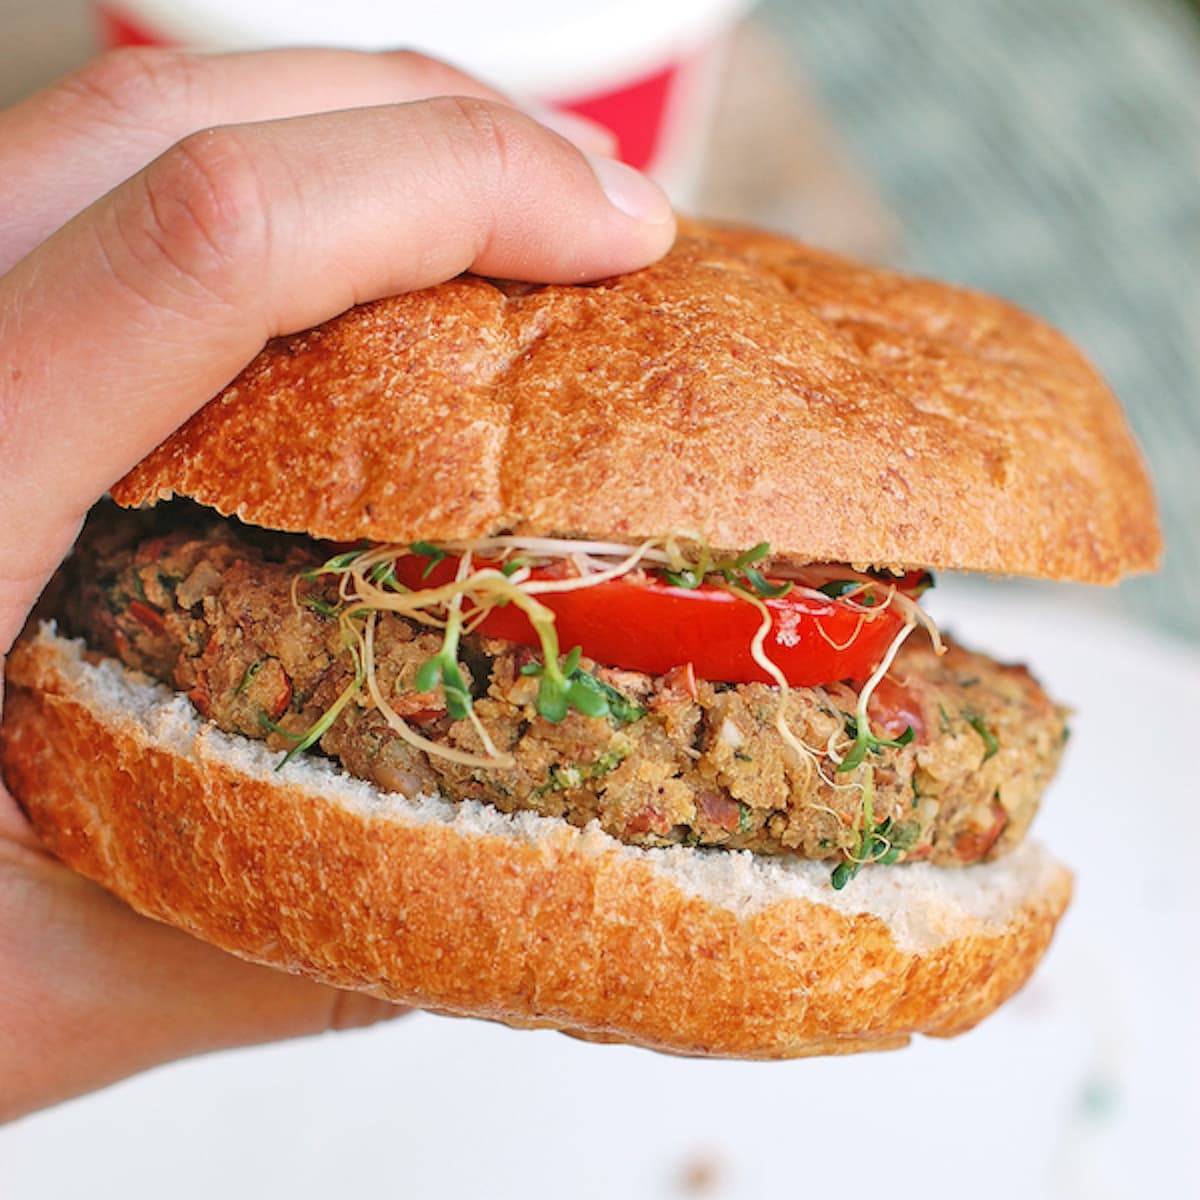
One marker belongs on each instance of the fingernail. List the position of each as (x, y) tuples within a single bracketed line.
[(630, 191), (589, 136)]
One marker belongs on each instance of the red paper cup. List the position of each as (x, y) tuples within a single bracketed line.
[(646, 71)]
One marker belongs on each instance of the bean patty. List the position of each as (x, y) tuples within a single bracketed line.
[(208, 608)]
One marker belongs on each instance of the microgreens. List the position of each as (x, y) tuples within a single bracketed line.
[(769, 591), (686, 578), (567, 686), (443, 669), (755, 554), (976, 722), (339, 564), (323, 723), (858, 591), (318, 605), (738, 571), (865, 741), (428, 550), (622, 710), (846, 870), (248, 676), (843, 873), (384, 575), (861, 590), (274, 727), (883, 842), (317, 730), (884, 845), (562, 687), (835, 589)]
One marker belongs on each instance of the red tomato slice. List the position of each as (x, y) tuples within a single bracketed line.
[(642, 623), (894, 708)]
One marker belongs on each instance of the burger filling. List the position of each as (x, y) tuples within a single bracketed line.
[(672, 694)]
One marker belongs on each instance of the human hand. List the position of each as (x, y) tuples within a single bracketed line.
[(142, 265)]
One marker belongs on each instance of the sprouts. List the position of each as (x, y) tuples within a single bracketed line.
[(517, 571)]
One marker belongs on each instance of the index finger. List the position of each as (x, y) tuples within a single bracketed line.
[(69, 144)]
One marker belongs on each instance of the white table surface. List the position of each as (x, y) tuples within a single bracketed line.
[(1084, 1087)]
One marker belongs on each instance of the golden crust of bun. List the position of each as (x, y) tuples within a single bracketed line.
[(556, 927), (746, 387)]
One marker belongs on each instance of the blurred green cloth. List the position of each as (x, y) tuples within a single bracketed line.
[(1047, 150)]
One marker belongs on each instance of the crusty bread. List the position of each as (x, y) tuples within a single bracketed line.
[(746, 387), (520, 919)]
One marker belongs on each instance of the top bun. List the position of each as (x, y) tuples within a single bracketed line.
[(745, 387)]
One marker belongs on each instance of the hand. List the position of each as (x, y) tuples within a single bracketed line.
[(129, 295)]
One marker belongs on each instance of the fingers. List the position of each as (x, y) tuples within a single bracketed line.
[(129, 318), (93, 993), (67, 145)]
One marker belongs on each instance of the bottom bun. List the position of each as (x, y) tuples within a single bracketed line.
[(522, 919)]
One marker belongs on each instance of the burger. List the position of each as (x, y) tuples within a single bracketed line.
[(558, 654)]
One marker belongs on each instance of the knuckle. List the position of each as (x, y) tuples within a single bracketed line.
[(481, 142), (201, 217), (134, 82), (478, 132)]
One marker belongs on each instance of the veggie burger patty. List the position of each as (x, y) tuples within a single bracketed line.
[(213, 609)]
